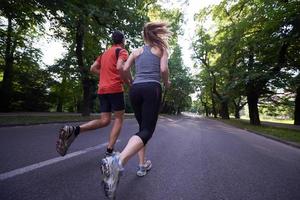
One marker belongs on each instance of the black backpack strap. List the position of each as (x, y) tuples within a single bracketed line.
[(118, 52)]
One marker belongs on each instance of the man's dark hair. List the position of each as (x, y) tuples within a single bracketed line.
[(117, 37)]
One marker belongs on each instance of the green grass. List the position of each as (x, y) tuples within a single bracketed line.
[(25, 120), (283, 121), (281, 133)]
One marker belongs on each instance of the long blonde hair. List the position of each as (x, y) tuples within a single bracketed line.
[(157, 34)]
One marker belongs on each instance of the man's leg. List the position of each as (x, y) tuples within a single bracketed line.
[(68, 133), (118, 106), (105, 118), (116, 129)]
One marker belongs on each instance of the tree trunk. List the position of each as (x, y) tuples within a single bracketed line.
[(253, 94), (178, 111), (224, 110), (86, 97), (162, 105), (206, 109), (213, 105), (297, 107), (237, 107), (236, 112), (83, 71), (59, 105), (252, 99), (6, 85)]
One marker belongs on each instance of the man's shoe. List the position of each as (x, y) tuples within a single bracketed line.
[(107, 154), (65, 138)]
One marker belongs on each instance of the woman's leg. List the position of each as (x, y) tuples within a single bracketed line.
[(136, 101), (144, 164), (148, 108), (133, 146), (112, 166), (141, 155)]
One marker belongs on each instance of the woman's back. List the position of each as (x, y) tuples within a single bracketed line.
[(147, 67)]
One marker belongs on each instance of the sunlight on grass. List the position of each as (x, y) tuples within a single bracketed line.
[(283, 121)]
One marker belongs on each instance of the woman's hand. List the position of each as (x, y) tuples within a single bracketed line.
[(168, 84)]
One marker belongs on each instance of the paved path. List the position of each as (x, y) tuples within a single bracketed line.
[(193, 159)]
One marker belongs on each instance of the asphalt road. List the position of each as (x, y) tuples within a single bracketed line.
[(193, 159)]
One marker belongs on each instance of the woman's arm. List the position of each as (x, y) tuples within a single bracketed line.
[(128, 64), (164, 69), (130, 60)]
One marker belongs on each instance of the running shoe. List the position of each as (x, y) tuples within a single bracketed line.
[(111, 170), (65, 138), (143, 169), (107, 154)]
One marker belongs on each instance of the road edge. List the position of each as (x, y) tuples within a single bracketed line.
[(56, 122), (293, 144)]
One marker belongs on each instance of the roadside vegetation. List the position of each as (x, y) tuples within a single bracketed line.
[(287, 134), (249, 58), (84, 29), (28, 120)]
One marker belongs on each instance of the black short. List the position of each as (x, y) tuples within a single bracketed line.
[(111, 102)]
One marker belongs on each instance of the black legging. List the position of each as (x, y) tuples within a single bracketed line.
[(145, 100)]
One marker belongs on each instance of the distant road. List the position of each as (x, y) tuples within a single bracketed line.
[(193, 159)]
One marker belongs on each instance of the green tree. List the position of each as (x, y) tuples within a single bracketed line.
[(253, 41), (213, 72), (19, 23), (66, 90), (181, 82), (176, 99), (86, 28)]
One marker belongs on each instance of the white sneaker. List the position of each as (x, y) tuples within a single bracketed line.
[(143, 169), (111, 170)]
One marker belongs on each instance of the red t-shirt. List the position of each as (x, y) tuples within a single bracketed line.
[(110, 80)]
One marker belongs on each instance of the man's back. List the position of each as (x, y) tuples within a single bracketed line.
[(110, 80)]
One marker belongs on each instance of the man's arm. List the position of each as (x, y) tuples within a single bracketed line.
[(95, 68)]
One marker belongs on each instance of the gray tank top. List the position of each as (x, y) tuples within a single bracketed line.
[(147, 67)]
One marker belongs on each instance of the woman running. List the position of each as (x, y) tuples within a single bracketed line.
[(151, 63)]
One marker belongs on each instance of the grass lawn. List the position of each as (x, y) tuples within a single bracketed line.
[(23, 120), (283, 121), (281, 133)]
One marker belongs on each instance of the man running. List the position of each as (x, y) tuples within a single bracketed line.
[(110, 93)]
